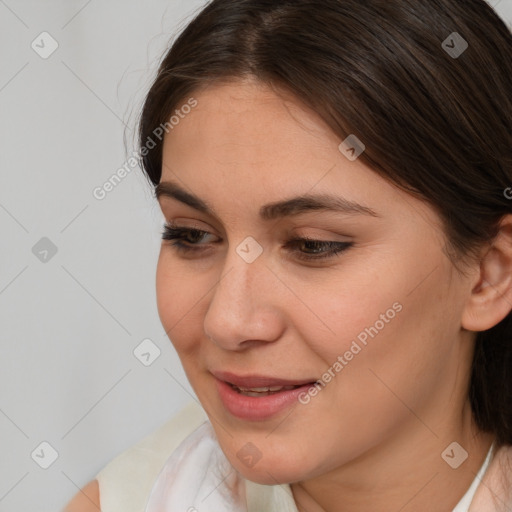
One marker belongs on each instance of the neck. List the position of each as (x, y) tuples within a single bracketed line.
[(405, 473)]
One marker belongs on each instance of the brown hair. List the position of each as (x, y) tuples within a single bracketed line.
[(435, 123)]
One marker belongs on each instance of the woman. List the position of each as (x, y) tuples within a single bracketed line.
[(336, 269)]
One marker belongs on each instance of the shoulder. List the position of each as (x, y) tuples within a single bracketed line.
[(125, 483), (86, 500)]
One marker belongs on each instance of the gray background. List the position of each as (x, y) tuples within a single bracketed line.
[(71, 319)]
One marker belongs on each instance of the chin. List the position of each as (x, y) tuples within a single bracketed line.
[(269, 473), (276, 468)]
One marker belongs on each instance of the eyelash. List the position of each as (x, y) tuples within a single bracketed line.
[(178, 234)]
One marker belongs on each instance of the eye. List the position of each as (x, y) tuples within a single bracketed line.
[(320, 248), (186, 240)]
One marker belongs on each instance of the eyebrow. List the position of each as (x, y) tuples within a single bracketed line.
[(286, 208)]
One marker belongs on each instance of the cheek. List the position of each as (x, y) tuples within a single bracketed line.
[(376, 342), (404, 358), (391, 310), (346, 314), (167, 289), (178, 297)]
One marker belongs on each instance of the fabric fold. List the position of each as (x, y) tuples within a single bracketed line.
[(198, 477)]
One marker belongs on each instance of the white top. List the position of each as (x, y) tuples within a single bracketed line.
[(181, 467), (465, 501), (199, 477)]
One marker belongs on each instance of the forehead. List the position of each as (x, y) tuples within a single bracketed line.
[(249, 122), (244, 142)]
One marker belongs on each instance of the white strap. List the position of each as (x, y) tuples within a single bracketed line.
[(465, 501)]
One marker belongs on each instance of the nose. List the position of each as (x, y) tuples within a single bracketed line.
[(244, 309)]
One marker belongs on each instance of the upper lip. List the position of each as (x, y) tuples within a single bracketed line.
[(257, 381)]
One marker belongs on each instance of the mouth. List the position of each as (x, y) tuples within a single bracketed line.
[(256, 397), (262, 391)]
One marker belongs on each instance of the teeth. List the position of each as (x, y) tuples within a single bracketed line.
[(256, 390), (279, 388), (263, 390)]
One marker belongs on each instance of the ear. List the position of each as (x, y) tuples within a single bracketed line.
[(491, 296)]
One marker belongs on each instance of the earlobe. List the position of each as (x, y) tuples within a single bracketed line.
[(491, 297)]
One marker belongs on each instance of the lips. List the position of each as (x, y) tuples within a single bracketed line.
[(259, 382), (257, 397)]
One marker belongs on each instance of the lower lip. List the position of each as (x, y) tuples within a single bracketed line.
[(257, 408)]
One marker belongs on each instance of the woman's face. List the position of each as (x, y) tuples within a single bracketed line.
[(376, 325)]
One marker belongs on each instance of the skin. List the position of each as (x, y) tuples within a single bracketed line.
[(86, 500), (373, 437)]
